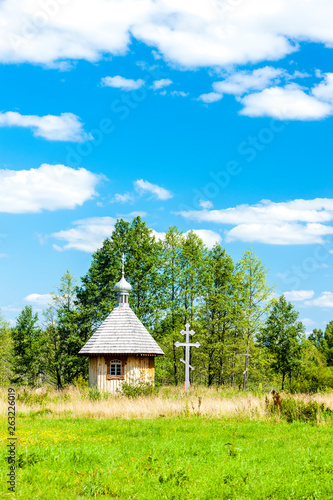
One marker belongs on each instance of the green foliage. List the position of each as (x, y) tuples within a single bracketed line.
[(29, 348), (312, 380), (253, 294), (80, 382), (166, 330), (174, 281), (295, 409), (139, 389), (94, 394), (217, 319), (31, 397), (281, 336), (96, 295), (65, 334), (6, 352)]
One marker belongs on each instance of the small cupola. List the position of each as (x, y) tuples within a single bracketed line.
[(122, 287)]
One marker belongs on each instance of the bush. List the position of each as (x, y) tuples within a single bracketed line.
[(292, 409), (31, 398), (94, 394), (80, 382), (315, 380), (138, 389)]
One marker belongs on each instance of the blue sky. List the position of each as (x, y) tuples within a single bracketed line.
[(213, 116)]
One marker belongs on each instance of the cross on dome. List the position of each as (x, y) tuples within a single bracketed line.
[(122, 287)]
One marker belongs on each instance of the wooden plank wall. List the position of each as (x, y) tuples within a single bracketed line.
[(137, 368)]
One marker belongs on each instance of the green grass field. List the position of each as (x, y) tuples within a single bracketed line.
[(170, 458)]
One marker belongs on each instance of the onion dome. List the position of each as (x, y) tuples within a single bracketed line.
[(122, 287)]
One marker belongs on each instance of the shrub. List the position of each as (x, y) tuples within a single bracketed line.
[(318, 379), (94, 394), (80, 382), (293, 409), (138, 389), (31, 397)]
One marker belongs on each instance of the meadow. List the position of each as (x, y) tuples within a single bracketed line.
[(206, 445)]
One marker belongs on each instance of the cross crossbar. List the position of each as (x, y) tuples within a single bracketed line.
[(187, 344)]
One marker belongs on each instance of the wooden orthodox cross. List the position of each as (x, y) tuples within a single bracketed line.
[(187, 346), (123, 263)]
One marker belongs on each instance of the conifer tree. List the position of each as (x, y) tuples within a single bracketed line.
[(96, 295), (6, 352), (28, 347)]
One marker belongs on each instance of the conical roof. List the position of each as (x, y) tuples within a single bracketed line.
[(122, 333)]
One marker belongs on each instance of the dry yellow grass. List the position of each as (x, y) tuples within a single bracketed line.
[(170, 402)]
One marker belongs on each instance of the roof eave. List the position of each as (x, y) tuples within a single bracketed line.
[(119, 354)]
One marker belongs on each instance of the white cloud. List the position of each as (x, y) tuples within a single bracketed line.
[(244, 81), (66, 127), (159, 236), (187, 33), (325, 301), (280, 234), (160, 84), (285, 103), (299, 295), (205, 204), (3, 255), (324, 90), (39, 300), (49, 187), (122, 83), (211, 97), (179, 93), (294, 222), (122, 198), (87, 235), (147, 187), (10, 308), (308, 322), (135, 213), (208, 237)]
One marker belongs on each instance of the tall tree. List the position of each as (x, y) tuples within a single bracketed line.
[(253, 296), (6, 354), (96, 295), (282, 335), (317, 338), (192, 273), (28, 344), (65, 334), (217, 314), (171, 286), (327, 344), (193, 261)]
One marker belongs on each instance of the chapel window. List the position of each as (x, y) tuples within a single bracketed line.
[(115, 368)]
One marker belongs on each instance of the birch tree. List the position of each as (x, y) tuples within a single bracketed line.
[(253, 296)]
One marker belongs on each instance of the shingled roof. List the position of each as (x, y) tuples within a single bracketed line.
[(122, 332)]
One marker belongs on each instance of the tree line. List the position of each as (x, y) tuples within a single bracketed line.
[(247, 335)]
